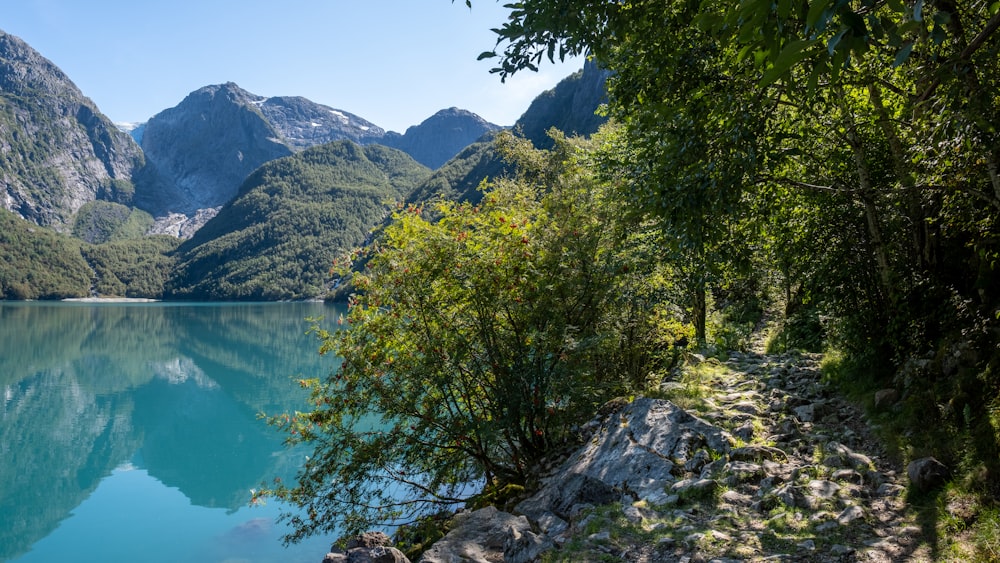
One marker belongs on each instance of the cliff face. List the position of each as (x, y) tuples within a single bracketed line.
[(569, 107), (57, 151), (199, 152)]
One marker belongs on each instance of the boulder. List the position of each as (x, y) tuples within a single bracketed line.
[(368, 539), (379, 554), (486, 536), (635, 452), (369, 547), (927, 474), (574, 492), (885, 398)]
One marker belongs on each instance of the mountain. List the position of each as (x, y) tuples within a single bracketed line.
[(570, 107), (292, 218), (199, 152), (440, 137), (57, 151), (315, 180), (303, 123)]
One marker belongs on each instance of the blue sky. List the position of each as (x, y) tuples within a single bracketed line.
[(392, 62)]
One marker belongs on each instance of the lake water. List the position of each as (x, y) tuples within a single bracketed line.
[(129, 432)]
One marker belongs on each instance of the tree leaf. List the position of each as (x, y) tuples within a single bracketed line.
[(816, 11), (897, 6), (903, 54), (831, 45), (791, 54)]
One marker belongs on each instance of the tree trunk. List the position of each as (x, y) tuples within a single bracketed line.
[(868, 201), (922, 251), (699, 312)]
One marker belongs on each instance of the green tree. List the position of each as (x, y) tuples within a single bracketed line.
[(858, 146), (476, 344)]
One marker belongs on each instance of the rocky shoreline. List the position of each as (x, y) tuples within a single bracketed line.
[(752, 459)]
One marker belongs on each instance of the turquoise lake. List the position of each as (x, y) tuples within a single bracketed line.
[(130, 431)]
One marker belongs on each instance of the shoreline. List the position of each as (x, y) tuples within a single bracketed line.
[(110, 300)]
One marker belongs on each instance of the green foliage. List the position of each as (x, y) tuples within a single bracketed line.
[(104, 221), (37, 263), (292, 218), (840, 156), (414, 539), (478, 342), (459, 178), (137, 267)]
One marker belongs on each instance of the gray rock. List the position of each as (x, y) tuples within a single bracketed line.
[(551, 524), (859, 462), (565, 493), (827, 526), (697, 462), (735, 498), (699, 488), (743, 471), (746, 407), (757, 453), (848, 475), (806, 413), (850, 514), (745, 432), (523, 546), (631, 453), (889, 490), (379, 554), (789, 495), (841, 550), (885, 398), (368, 539), (480, 537), (927, 474)]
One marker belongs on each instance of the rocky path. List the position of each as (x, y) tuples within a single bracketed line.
[(750, 459), (807, 481)]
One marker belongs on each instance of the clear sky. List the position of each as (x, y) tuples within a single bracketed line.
[(392, 62)]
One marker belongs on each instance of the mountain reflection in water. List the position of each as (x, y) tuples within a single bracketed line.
[(168, 392)]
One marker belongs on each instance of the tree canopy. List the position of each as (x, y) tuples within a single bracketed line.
[(834, 162), (477, 342)]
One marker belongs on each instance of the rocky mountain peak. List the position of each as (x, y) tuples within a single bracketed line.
[(200, 151), (24, 71), (303, 123), (441, 136), (58, 151)]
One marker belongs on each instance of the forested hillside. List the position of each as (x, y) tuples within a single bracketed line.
[(278, 238), (37, 263), (58, 151)]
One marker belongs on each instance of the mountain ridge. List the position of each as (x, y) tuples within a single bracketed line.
[(59, 152), (200, 151), (219, 136)]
